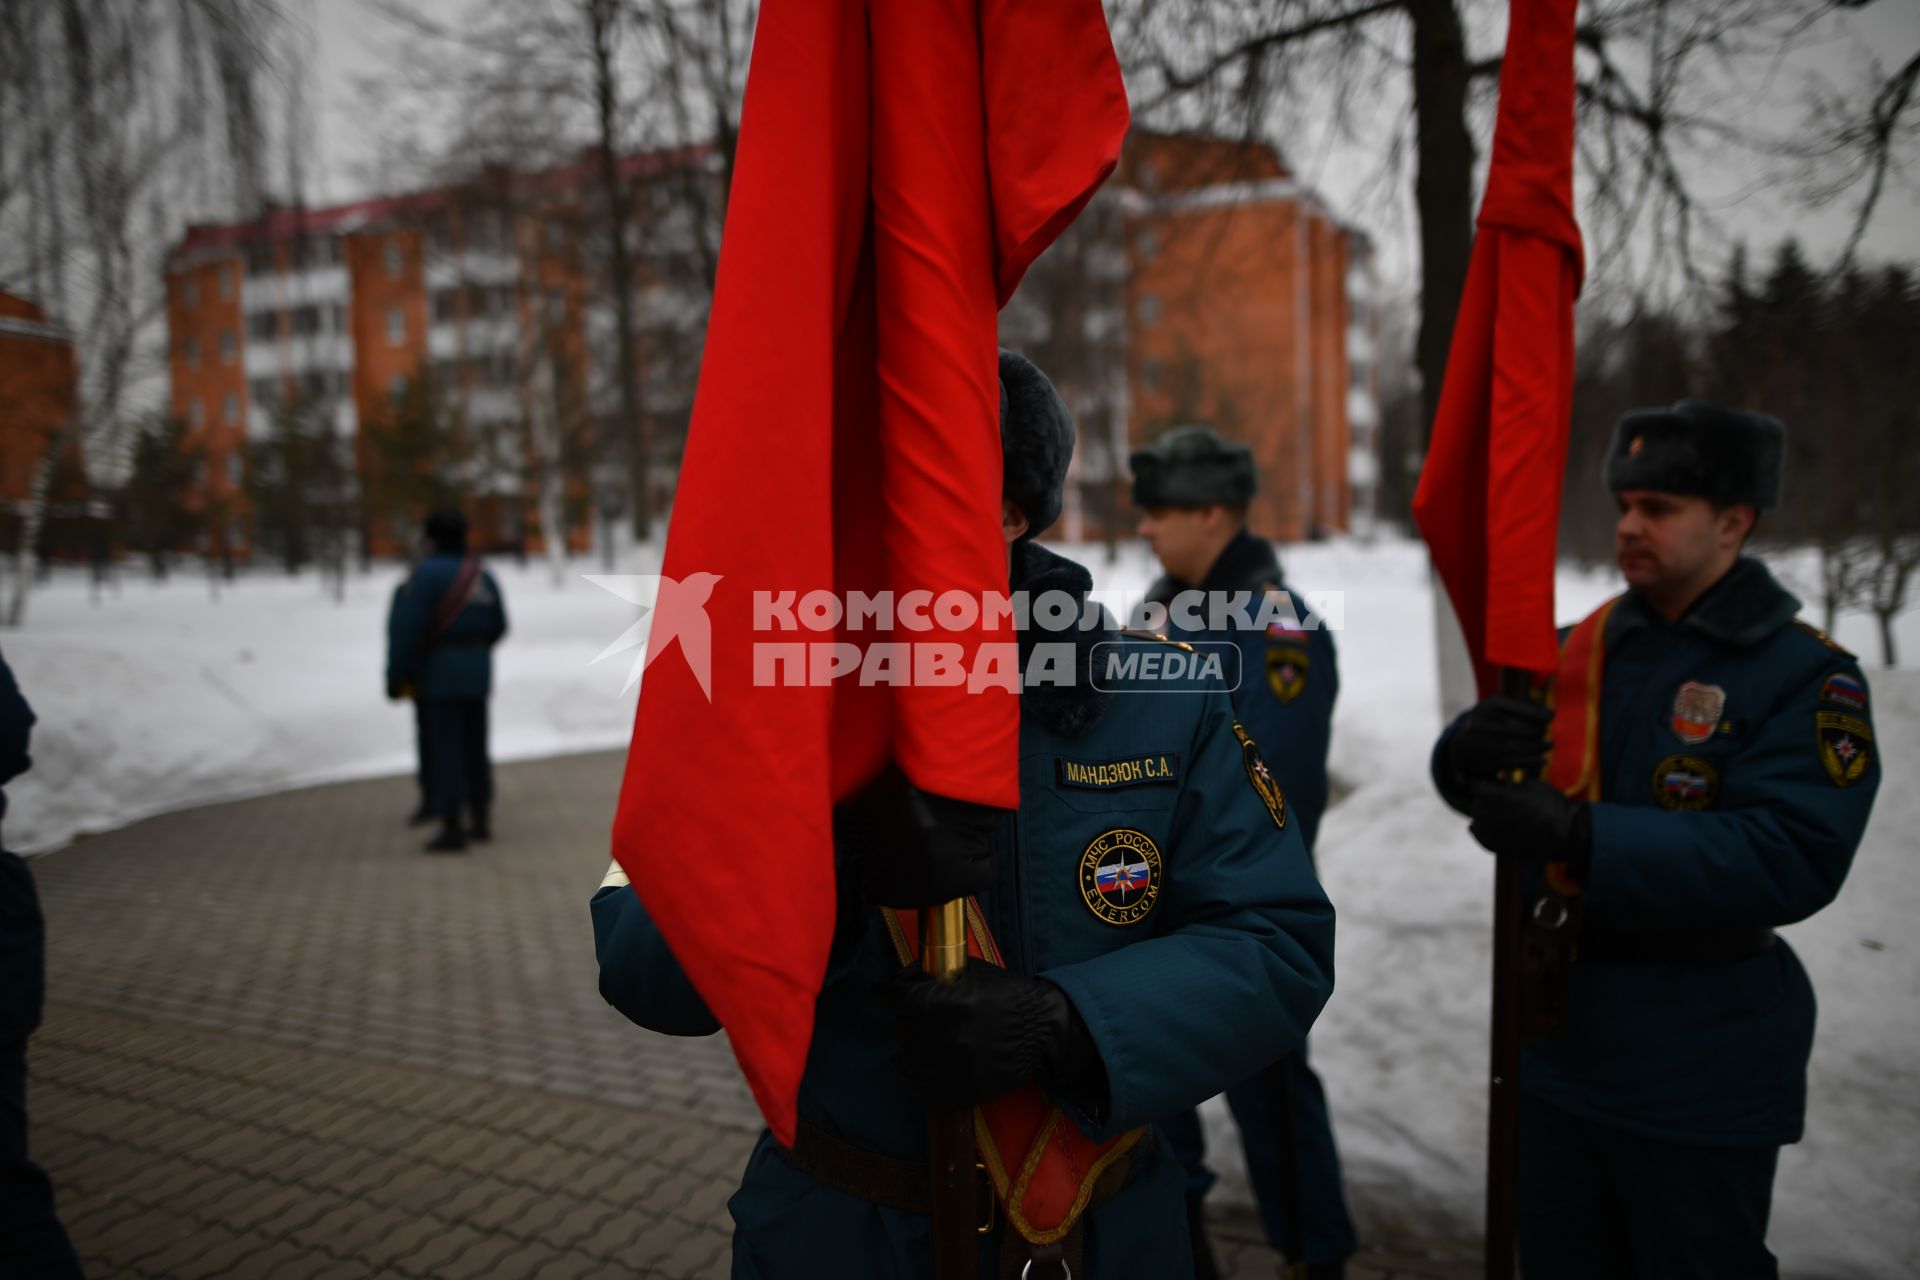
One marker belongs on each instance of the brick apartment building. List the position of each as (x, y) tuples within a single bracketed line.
[(38, 397), (1205, 284), (467, 289)]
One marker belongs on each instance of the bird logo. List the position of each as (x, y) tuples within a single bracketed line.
[(670, 609)]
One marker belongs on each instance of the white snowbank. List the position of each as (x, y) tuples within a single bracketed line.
[(159, 698)]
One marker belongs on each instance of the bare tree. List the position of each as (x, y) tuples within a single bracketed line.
[(620, 78), (122, 117), (1667, 89)]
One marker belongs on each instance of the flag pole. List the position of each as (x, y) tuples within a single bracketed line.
[(1503, 1098), (943, 954)]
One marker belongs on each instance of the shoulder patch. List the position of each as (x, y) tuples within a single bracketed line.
[(1843, 690), (1264, 783), (1288, 663), (1845, 746), (1823, 638)]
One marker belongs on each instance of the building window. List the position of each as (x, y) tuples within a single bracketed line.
[(1150, 374), (445, 307), (397, 388), (396, 259), (225, 274), (196, 413), (233, 470), (230, 408), (190, 291), (1147, 245), (193, 353), (1149, 309), (263, 391), (261, 327), (396, 326), (226, 346)]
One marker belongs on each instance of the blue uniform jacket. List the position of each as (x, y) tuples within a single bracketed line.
[(16, 728), (1754, 827), (458, 663), (1224, 973), (1288, 677)]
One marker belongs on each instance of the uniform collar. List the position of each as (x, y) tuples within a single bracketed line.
[(1067, 710), (1244, 564), (1743, 608)]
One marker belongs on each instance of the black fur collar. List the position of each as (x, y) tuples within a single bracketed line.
[(1067, 710), (1744, 607)]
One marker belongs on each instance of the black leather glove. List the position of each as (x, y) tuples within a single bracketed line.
[(903, 847), (1533, 820), (1499, 734), (986, 1034)]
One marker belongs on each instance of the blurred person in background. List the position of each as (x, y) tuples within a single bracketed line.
[(1193, 489), (423, 812), (33, 1245), (447, 619)]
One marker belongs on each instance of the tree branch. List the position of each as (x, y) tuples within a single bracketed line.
[(1888, 106), (1174, 83)]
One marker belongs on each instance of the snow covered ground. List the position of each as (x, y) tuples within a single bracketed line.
[(158, 697)]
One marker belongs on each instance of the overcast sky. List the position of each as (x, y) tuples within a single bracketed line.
[(350, 41)]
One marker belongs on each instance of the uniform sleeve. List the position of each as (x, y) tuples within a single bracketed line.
[(1294, 734), (16, 726), (638, 974), (407, 629), (497, 631), (1244, 960), (1775, 845), (1457, 794)]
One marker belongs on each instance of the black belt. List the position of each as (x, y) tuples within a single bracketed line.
[(1672, 946)]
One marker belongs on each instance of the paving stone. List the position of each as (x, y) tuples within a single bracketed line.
[(281, 1042)]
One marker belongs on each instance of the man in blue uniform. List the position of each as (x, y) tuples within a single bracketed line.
[(1719, 790), (1161, 930), (445, 624), (1193, 489), (33, 1245)]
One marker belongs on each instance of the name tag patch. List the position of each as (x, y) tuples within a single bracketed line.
[(1108, 775)]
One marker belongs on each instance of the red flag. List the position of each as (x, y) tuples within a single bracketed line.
[(1489, 497), (899, 167)]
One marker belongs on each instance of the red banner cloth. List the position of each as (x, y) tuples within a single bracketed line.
[(1489, 497), (899, 167)]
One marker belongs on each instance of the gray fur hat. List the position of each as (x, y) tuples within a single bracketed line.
[(1708, 450), (1193, 467), (1036, 441)]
